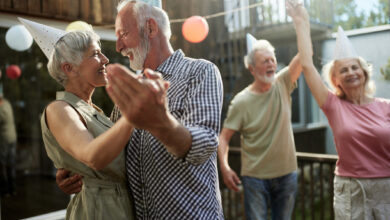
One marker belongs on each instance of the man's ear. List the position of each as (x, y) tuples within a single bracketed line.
[(251, 69), (151, 27)]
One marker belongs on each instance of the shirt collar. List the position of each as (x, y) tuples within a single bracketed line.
[(170, 64)]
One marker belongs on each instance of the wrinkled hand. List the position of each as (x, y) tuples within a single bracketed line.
[(68, 184), (230, 179), (161, 91), (142, 101), (296, 11)]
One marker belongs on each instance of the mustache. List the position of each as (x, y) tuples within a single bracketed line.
[(126, 51)]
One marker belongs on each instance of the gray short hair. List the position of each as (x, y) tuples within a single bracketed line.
[(144, 11), (259, 45), (328, 71), (70, 48)]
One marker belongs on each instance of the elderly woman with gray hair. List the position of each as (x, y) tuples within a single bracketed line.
[(360, 124), (79, 137)]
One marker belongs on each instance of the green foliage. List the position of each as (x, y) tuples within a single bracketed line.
[(346, 15), (380, 15), (386, 70)]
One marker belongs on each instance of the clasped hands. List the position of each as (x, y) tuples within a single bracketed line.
[(141, 100)]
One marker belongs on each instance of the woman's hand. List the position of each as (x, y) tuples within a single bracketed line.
[(296, 11)]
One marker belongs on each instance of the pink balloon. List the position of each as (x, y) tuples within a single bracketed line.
[(13, 72), (195, 29)]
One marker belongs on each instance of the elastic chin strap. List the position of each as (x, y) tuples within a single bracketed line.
[(137, 72), (132, 70)]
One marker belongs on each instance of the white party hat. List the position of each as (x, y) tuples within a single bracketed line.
[(155, 3), (45, 36), (250, 42), (343, 48)]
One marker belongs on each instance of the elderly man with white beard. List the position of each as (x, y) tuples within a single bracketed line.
[(268, 158), (171, 159)]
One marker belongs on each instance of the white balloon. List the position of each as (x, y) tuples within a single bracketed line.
[(18, 38)]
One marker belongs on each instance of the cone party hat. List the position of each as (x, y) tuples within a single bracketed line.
[(250, 42), (155, 3), (343, 48), (45, 36)]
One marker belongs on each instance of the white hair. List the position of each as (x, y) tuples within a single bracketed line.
[(328, 71), (144, 11), (259, 45), (70, 49)]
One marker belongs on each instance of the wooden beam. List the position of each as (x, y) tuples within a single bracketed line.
[(5, 4), (20, 5), (97, 11), (74, 6), (34, 6), (85, 10), (49, 8), (108, 10)]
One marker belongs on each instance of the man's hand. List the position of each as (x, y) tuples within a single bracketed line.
[(230, 178), (67, 184), (142, 101)]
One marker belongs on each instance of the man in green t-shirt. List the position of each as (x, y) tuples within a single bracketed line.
[(261, 113)]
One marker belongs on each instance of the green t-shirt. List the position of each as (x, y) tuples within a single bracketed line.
[(264, 122)]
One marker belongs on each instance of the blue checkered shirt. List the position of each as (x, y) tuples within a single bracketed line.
[(166, 187)]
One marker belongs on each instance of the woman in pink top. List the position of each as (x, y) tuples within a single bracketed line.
[(360, 125)]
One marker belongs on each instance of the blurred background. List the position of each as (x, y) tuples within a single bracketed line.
[(367, 24)]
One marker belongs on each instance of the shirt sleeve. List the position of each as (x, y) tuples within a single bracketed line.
[(330, 102), (283, 76), (234, 118), (203, 113), (115, 114)]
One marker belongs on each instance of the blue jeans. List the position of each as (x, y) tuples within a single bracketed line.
[(278, 193)]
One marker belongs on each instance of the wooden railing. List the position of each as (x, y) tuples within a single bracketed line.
[(315, 189)]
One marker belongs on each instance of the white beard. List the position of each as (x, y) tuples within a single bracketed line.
[(267, 79), (139, 55)]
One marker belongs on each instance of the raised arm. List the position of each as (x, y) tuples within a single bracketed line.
[(295, 68), (72, 135), (230, 177), (302, 27)]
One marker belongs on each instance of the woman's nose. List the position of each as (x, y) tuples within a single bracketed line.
[(105, 59)]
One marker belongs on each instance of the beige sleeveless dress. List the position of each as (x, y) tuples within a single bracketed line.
[(104, 194)]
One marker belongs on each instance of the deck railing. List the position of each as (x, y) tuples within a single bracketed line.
[(315, 189)]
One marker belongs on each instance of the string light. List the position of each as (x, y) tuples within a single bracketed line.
[(220, 13), (180, 20)]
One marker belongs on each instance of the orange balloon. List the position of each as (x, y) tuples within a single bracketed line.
[(195, 29)]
